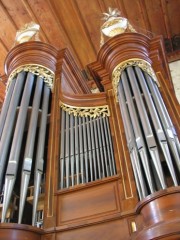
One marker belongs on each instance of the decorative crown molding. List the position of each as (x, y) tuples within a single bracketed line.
[(92, 112)]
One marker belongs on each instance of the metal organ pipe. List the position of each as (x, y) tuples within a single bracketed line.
[(71, 147), (157, 124), (29, 150), (67, 149), (130, 137), (81, 149), (90, 156), (93, 148), (76, 149), (13, 162), (39, 164), (166, 120), (104, 147), (89, 143), (62, 154), (85, 149), (109, 140), (97, 149), (137, 131), (9, 124), (137, 89), (5, 106), (150, 140), (100, 147)]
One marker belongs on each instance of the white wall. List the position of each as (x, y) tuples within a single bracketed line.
[(175, 73)]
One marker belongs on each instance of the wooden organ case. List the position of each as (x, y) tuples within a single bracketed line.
[(110, 159)]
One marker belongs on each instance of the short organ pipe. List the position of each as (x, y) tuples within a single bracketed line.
[(86, 152)]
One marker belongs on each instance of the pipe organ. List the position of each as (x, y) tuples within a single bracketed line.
[(137, 92), (81, 165), (86, 152)]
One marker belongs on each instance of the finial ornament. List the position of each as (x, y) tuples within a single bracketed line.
[(28, 32), (114, 24)]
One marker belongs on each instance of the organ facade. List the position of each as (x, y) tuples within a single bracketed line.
[(83, 165)]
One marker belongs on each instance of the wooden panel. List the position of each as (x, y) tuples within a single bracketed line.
[(7, 33), (156, 17), (173, 7), (135, 17), (3, 52), (20, 232), (89, 12), (115, 230), (87, 203), (17, 12), (71, 21), (49, 24)]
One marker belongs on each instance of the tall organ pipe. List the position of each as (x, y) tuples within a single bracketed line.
[(165, 119), (29, 150), (157, 124), (150, 140), (5, 106), (9, 124), (38, 171), (137, 131), (16, 145), (140, 183)]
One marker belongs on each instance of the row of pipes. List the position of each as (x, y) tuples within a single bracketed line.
[(24, 88), (149, 130), (86, 152)]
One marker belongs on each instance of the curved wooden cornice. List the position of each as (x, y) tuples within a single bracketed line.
[(32, 52), (121, 48), (160, 215), (129, 46), (8, 230), (84, 100)]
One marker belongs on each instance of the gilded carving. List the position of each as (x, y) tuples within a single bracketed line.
[(145, 66), (92, 112), (45, 73)]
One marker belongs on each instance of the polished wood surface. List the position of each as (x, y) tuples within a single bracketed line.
[(159, 215), (19, 231), (31, 53)]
